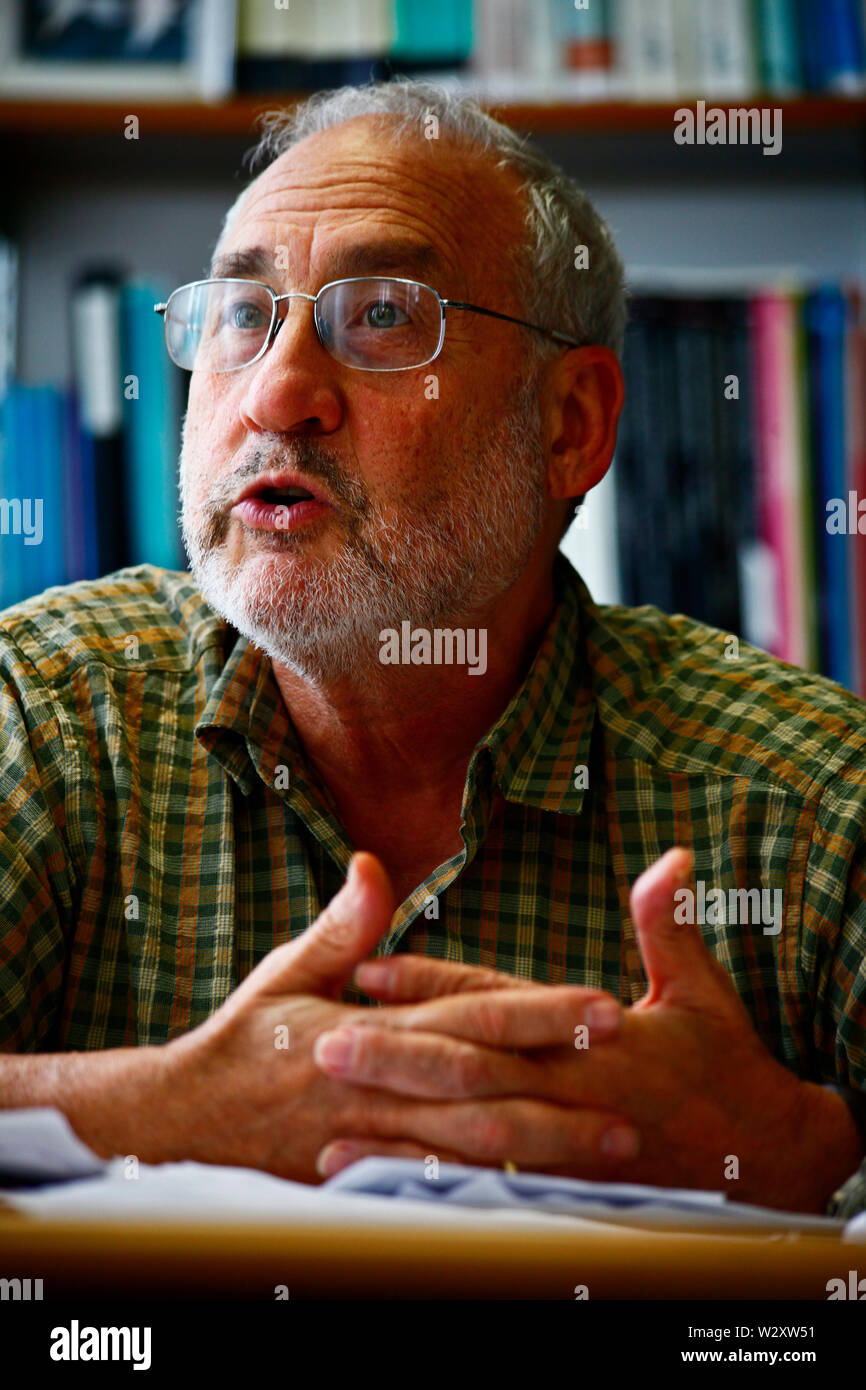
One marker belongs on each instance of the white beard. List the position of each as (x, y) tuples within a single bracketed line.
[(434, 565)]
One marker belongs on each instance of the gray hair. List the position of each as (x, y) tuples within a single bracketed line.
[(588, 304)]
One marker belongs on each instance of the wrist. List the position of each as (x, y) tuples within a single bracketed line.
[(834, 1146), (119, 1101)]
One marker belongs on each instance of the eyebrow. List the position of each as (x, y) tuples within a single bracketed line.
[(388, 256)]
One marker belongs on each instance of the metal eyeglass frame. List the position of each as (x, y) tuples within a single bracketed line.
[(277, 321)]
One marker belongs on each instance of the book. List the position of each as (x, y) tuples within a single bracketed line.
[(779, 47), (151, 444), (8, 311), (779, 453), (825, 311), (96, 343), (855, 481), (645, 45)]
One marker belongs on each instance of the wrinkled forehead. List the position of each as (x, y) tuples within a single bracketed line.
[(367, 180)]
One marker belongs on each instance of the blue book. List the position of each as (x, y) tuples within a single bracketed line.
[(51, 407), (73, 507), (432, 33), (781, 64), (811, 45), (825, 314), (830, 45), (11, 579), (29, 482), (151, 432)]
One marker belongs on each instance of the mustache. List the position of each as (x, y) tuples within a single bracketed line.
[(306, 456)]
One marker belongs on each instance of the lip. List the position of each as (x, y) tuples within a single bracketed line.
[(281, 480), (257, 514)]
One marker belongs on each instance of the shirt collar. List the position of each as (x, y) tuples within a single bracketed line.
[(245, 723), (543, 736), (535, 749)]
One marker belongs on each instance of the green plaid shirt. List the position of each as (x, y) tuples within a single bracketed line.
[(160, 830)]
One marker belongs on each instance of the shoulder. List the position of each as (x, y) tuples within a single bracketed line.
[(156, 616), (688, 697)]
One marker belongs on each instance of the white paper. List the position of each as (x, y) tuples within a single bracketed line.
[(39, 1144)]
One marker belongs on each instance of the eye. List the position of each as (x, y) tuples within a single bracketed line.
[(383, 314), (244, 315)]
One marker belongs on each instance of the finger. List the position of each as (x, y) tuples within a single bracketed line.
[(342, 1152), (321, 961), (422, 1064), (532, 1134), (433, 1067), (679, 966), (542, 1016), (404, 979)]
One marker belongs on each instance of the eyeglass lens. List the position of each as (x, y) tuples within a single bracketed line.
[(375, 323)]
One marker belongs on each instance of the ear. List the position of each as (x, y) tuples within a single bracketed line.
[(581, 400)]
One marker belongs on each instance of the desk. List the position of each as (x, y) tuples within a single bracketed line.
[(98, 1259)]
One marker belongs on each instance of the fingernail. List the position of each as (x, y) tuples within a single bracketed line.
[(336, 1050), (620, 1142), (374, 975), (352, 875), (602, 1018), (334, 1157)]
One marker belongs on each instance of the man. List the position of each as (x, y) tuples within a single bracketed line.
[(384, 652)]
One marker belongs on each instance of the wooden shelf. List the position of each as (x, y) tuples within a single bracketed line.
[(236, 117)]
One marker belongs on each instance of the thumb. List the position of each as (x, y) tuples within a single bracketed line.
[(344, 933), (680, 968)]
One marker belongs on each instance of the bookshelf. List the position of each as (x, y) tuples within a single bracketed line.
[(155, 206), (236, 117)]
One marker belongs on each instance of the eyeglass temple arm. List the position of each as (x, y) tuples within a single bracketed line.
[(508, 318), (160, 308)]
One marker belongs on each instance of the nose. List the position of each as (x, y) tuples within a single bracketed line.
[(293, 386)]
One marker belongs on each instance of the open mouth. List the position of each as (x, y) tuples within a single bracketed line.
[(286, 507), (285, 495)]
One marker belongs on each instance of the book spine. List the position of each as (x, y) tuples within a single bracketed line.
[(97, 357), (778, 29)]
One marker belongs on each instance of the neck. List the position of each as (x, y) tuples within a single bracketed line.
[(401, 732)]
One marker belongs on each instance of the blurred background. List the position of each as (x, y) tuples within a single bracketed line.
[(741, 462)]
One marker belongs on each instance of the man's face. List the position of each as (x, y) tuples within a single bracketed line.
[(434, 477)]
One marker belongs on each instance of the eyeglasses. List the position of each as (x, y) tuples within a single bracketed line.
[(376, 323)]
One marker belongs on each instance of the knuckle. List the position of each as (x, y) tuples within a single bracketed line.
[(491, 1019), (469, 1071), (490, 1135)]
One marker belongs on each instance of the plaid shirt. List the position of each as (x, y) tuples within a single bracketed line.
[(160, 830)]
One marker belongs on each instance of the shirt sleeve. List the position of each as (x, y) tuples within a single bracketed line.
[(834, 956), (35, 888)]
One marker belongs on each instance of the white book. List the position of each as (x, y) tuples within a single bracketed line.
[(266, 31), (497, 56), (646, 58), (540, 58), (346, 27), (686, 55), (591, 542), (214, 42), (8, 311), (727, 61)]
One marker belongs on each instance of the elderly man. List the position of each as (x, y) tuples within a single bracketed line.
[(404, 372)]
